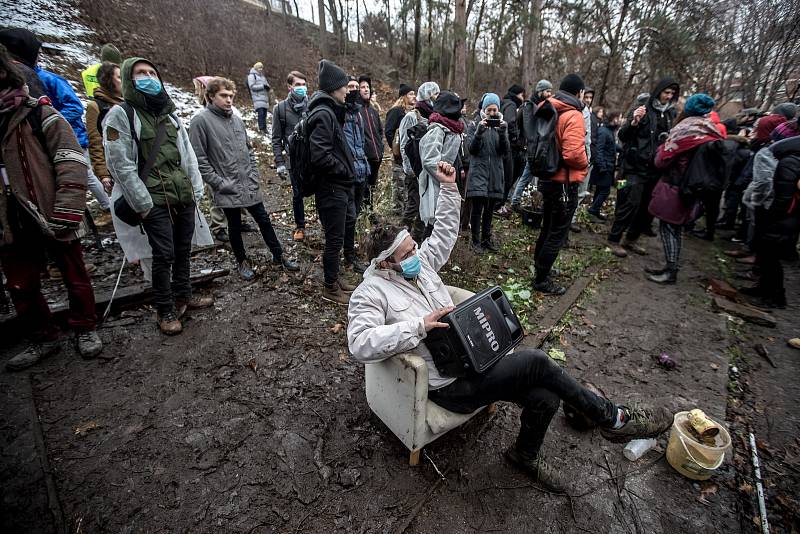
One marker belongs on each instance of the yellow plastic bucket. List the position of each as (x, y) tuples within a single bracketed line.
[(691, 458)]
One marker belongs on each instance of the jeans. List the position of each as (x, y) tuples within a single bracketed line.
[(260, 215), (399, 193), (262, 119), (558, 206), (601, 193), (169, 232), (532, 380), (671, 239), (481, 219), (337, 213), (95, 185), (518, 164), (522, 183), (298, 208), (411, 219)]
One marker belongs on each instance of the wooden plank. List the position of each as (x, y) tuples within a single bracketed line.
[(749, 314), (554, 315)]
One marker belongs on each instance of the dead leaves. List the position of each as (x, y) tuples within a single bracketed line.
[(708, 489)]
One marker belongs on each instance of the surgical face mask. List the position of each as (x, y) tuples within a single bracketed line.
[(300, 91), (149, 86), (411, 267)]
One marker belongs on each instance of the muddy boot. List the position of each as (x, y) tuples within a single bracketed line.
[(335, 294), (33, 355), (548, 287), (639, 423), (89, 344), (668, 276), (345, 286), (287, 264), (617, 250), (537, 467), (633, 246), (169, 324), (194, 303)]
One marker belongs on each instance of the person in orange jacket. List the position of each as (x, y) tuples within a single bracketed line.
[(560, 191)]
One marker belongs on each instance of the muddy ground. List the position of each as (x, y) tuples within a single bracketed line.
[(255, 418)]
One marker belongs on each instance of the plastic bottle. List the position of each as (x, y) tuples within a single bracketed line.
[(637, 448)]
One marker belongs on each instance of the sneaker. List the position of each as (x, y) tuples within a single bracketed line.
[(634, 247), (299, 234), (222, 235), (89, 344), (477, 249), (194, 303), (286, 264), (538, 468), (336, 294), (503, 212), (617, 250), (666, 277), (548, 287), (245, 271), (33, 355), (490, 246), (345, 286), (640, 423), (169, 324)]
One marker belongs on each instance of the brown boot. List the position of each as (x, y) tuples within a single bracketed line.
[(336, 294), (194, 303), (617, 250), (169, 324), (346, 286)]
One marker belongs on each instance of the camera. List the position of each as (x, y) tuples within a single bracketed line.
[(493, 122)]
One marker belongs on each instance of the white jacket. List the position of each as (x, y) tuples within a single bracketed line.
[(386, 313)]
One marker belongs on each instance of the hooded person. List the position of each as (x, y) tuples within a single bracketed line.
[(373, 134), (642, 132), (259, 88), (605, 163), (332, 168), (24, 46), (442, 142), (355, 134), (406, 100), (166, 199), (515, 158), (542, 91), (108, 54)]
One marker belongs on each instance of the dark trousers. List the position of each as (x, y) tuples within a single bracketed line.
[(23, 263), (360, 196), (733, 202), (602, 181), (298, 208), (559, 202), (372, 179), (261, 114), (710, 203), (411, 219), (260, 215), (337, 213), (768, 257), (532, 380), (481, 218), (169, 232), (626, 213)]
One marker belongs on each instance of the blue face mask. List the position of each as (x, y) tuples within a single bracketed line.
[(301, 91), (149, 86), (411, 267)]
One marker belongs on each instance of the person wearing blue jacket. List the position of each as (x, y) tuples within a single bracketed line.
[(605, 163)]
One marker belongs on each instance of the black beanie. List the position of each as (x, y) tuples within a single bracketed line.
[(22, 44), (516, 89), (448, 104), (331, 77), (365, 78), (404, 89), (572, 84)]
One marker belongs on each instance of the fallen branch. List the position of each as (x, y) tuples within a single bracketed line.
[(762, 505)]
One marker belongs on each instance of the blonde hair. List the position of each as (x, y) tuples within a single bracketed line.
[(401, 103)]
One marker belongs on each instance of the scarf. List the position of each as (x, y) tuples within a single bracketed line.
[(454, 125), (298, 104), (155, 105), (373, 268), (658, 106), (12, 97), (424, 108), (688, 134)]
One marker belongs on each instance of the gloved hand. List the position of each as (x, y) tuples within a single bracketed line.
[(282, 172)]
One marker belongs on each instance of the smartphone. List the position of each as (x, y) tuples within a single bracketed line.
[(493, 123)]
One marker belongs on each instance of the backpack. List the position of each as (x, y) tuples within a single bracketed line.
[(539, 124), (104, 108), (299, 150), (247, 85), (415, 133), (708, 170)]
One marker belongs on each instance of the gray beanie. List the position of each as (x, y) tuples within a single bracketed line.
[(543, 85), (787, 109), (331, 77)]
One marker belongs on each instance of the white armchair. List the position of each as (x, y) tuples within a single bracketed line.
[(397, 392)]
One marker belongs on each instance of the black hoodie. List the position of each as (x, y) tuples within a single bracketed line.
[(331, 160), (509, 107)]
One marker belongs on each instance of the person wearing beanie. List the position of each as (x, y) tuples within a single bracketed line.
[(642, 132), (333, 171), (108, 54), (259, 88), (404, 103), (488, 144), (787, 110), (426, 95), (560, 191), (542, 91), (373, 134), (690, 140)]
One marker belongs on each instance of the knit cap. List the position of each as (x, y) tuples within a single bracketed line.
[(543, 85), (787, 109), (404, 89), (572, 84), (488, 99), (699, 104), (331, 77), (516, 89)]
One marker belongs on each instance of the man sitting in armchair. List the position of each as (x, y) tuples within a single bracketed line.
[(402, 298)]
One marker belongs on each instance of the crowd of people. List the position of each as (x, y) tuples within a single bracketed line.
[(669, 157)]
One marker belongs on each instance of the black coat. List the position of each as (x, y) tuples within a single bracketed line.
[(393, 118), (373, 132), (641, 142), (779, 225), (487, 149), (508, 107), (605, 150), (331, 160)]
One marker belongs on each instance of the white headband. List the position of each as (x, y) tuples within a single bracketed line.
[(373, 265)]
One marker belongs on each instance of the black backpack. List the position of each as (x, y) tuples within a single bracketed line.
[(708, 170), (104, 108), (539, 124), (300, 155), (415, 133)]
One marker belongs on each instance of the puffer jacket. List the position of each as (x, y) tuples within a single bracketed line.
[(386, 311), (259, 89), (226, 158), (48, 182), (438, 144), (508, 107), (488, 148), (605, 153), (65, 101), (571, 137)]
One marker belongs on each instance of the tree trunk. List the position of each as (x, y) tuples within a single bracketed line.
[(613, 52), (429, 59), (459, 81), (389, 39), (417, 21), (531, 44), (473, 50), (323, 40)]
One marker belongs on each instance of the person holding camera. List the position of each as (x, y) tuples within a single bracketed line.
[(402, 298), (488, 144)]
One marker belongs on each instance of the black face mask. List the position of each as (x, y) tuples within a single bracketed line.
[(353, 97)]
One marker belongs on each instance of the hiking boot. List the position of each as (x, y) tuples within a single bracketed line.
[(355, 263), (477, 249), (640, 423), (247, 228), (667, 277), (245, 271), (194, 303), (548, 287), (169, 324), (336, 294), (221, 235), (617, 250), (345, 286), (634, 247), (286, 263), (89, 344), (299, 234), (656, 270), (33, 355), (489, 245), (537, 467)]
